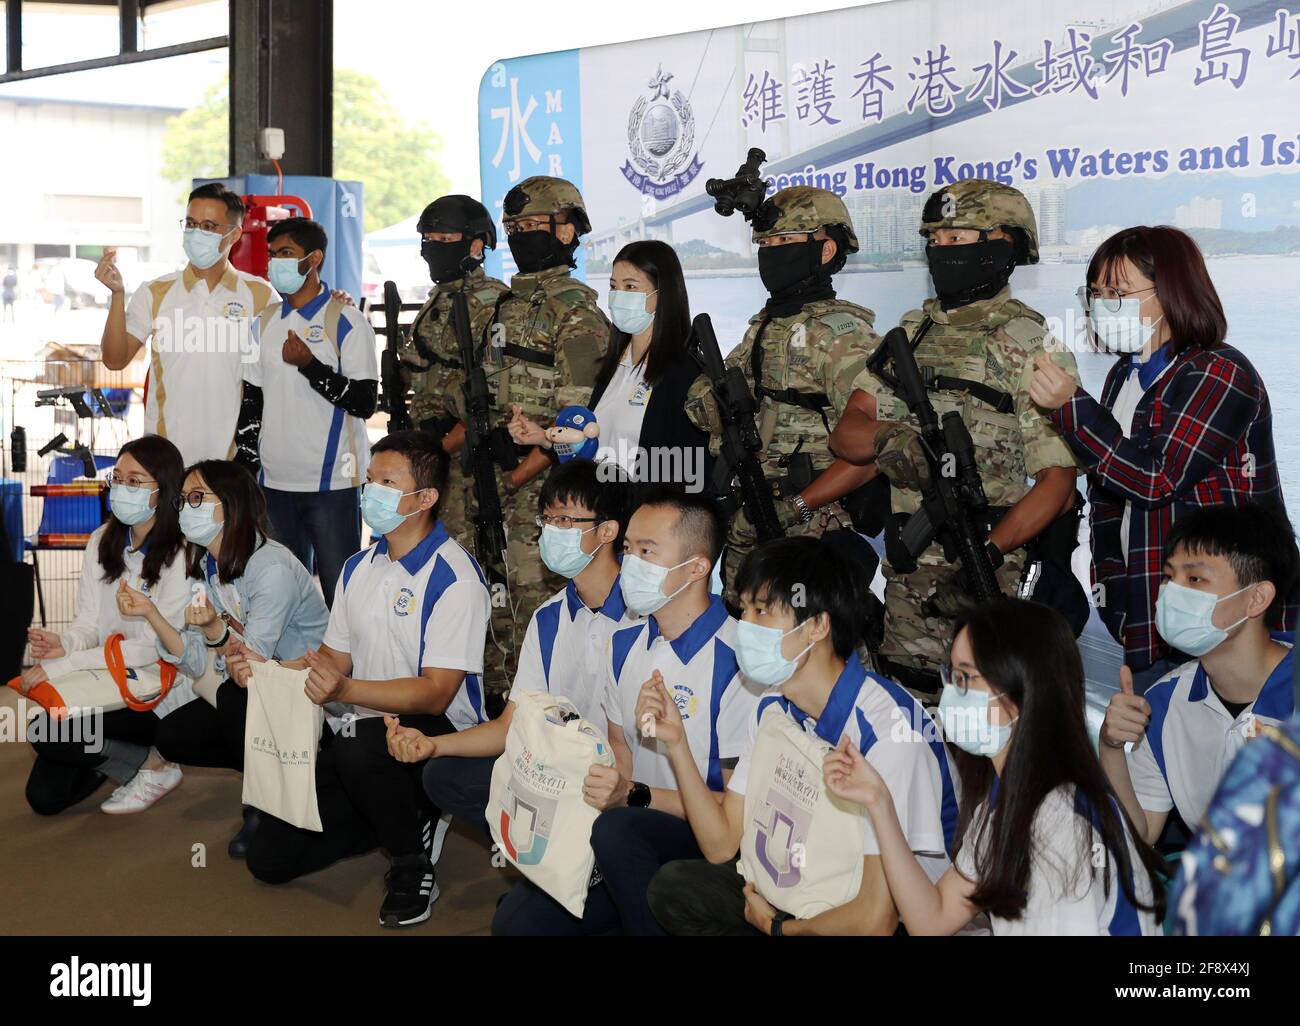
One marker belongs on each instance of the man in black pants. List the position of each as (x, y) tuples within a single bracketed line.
[(405, 638)]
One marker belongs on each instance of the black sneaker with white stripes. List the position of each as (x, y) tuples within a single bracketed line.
[(412, 890)]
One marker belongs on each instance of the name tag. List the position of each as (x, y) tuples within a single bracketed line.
[(639, 395)]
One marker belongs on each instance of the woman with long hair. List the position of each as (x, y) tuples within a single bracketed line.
[(250, 591), (1042, 845), (1183, 421), (138, 547)]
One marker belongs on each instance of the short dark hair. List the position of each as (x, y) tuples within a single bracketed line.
[(1256, 540), (583, 482), (807, 577), (247, 525), (1173, 262), (302, 230), (698, 521), (217, 191), (426, 456)]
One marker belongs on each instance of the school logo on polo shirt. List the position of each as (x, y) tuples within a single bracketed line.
[(686, 699), (234, 309), (315, 333), (402, 604)]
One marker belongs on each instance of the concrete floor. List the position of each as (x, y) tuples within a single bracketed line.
[(83, 872)]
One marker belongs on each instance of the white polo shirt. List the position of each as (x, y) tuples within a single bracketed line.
[(1191, 738), (428, 609), (199, 342), (566, 649), (898, 737), (700, 671), (1067, 894), (621, 412), (308, 444)]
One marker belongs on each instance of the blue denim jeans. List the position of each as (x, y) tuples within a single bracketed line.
[(321, 528)]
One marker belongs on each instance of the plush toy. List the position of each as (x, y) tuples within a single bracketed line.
[(574, 434)]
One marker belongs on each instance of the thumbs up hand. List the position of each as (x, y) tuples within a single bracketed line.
[(1127, 715)]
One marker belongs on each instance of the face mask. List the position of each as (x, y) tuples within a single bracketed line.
[(562, 550), (758, 651), (1185, 618), (198, 524), (642, 584), (781, 268), (627, 311), (130, 505), (536, 251), (965, 720), (203, 248), (971, 272), (379, 507), (445, 259), (1124, 330), (285, 276)]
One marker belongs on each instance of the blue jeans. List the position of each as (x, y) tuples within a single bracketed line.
[(324, 525)]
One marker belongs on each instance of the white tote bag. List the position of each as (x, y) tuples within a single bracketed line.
[(281, 742), (535, 809), (802, 847), (117, 686)]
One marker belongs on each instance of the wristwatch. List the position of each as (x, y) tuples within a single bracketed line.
[(779, 918), (805, 514), (995, 555), (220, 641), (639, 796)]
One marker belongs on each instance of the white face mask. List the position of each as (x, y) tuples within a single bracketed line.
[(1123, 330)]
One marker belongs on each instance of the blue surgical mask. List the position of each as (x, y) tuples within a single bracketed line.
[(130, 505), (758, 651), (1123, 330), (965, 720), (379, 507), (284, 275), (642, 584), (627, 311), (198, 524), (1185, 618), (561, 549), (203, 248)]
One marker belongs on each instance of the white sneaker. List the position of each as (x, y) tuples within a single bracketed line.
[(142, 790)]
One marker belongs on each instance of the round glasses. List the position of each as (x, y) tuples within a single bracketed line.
[(958, 679), (114, 479), (193, 499), (1110, 300)]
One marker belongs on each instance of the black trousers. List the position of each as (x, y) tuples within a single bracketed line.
[(631, 845), (367, 799), (461, 787), (197, 734), (65, 773), (695, 898)]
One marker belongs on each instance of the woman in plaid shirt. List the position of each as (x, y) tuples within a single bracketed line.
[(1183, 421)]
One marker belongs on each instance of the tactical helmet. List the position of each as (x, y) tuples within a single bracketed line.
[(462, 214), (540, 196), (982, 205), (802, 208)]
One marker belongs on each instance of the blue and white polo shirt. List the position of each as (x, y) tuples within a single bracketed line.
[(428, 609)]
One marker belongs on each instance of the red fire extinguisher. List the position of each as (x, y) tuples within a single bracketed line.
[(260, 213)]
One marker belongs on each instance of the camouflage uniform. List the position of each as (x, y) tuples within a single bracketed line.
[(543, 351), (435, 380), (995, 342), (820, 350)]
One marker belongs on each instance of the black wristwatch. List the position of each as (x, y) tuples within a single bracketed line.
[(779, 918), (639, 796), (995, 555)]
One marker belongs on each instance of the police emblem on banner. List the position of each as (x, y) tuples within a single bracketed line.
[(661, 140)]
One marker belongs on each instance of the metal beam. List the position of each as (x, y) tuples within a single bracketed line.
[(13, 37), (176, 50), (128, 14)]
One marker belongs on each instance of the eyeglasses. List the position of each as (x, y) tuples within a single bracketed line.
[(1110, 299), (115, 479), (958, 679), (203, 226), (563, 522), (193, 498), (532, 224)]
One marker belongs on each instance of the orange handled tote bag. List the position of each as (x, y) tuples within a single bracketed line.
[(118, 686)]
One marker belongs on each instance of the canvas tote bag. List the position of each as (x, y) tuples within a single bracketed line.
[(281, 742), (535, 807), (117, 686), (802, 847)]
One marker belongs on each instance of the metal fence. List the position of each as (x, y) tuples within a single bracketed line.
[(64, 416)]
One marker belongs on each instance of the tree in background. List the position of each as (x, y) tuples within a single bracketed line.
[(396, 161)]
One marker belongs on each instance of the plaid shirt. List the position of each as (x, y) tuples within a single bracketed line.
[(1202, 435)]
